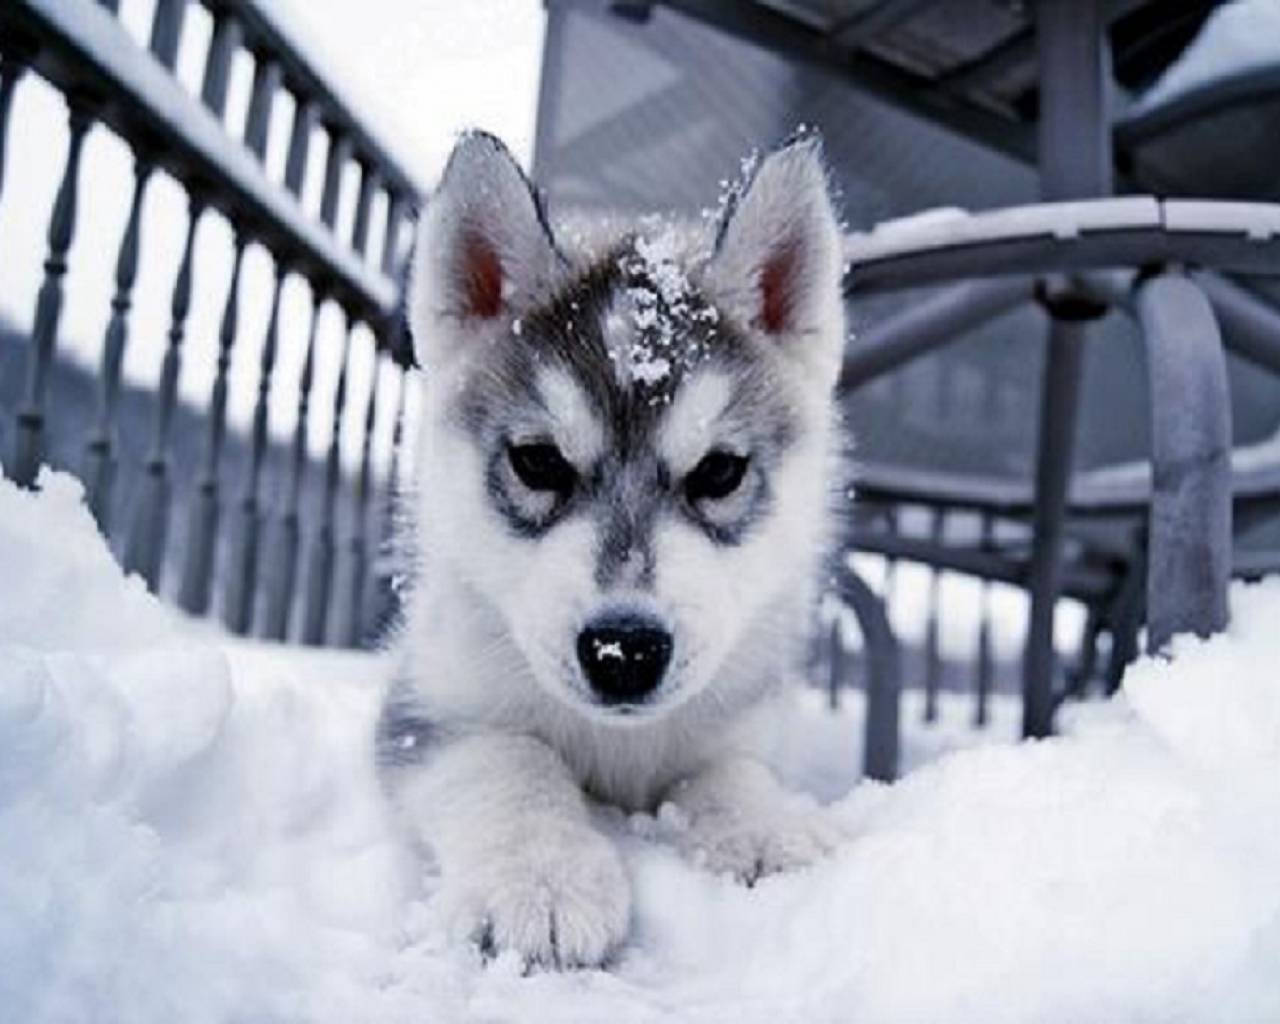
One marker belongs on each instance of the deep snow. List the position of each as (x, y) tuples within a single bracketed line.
[(190, 830)]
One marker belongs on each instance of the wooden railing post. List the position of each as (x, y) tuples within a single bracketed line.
[(166, 31), (320, 575), (242, 583), (355, 625), (369, 183), (396, 209), (388, 581), (280, 599), (29, 440), (339, 156), (397, 447), (223, 46), (202, 538), (100, 461), (305, 116), (144, 552), (266, 80)]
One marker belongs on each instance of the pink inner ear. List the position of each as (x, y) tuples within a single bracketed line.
[(481, 276), (777, 288)]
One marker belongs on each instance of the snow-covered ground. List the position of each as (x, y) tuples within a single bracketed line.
[(190, 830), (1238, 37)]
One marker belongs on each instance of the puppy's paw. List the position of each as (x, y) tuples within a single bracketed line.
[(749, 847), (558, 898)]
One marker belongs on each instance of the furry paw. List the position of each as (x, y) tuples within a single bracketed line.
[(557, 898), (749, 847)]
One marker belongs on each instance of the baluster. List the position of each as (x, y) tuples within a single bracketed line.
[(933, 661), (305, 115), (166, 31), (396, 206), (354, 631), (397, 447), (266, 79), (280, 600), (144, 552), (100, 463), (11, 69), (370, 179), (29, 440), (339, 155), (387, 584), (202, 539), (985, 664), (227, 37), (320, 577), (242, 584)]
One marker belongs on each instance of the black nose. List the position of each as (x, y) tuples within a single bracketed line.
[(624, 657)]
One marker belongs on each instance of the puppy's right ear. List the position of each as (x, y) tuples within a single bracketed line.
[(484, 247)]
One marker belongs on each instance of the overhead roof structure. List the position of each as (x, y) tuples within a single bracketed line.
[(967, 64)]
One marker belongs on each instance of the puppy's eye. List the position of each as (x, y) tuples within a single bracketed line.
[(717, 475), (541, 467)]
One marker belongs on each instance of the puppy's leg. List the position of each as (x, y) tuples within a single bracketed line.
[(742, 821), (521, 866)]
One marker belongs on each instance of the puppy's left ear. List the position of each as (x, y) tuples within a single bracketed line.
[(484, 248), (778, 259)]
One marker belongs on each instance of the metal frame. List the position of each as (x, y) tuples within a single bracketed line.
[(1189, 497)]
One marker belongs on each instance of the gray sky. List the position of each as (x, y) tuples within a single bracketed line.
[(422, 70)]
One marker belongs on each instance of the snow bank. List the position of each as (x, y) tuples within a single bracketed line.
[(1237, 38), (191, 831)]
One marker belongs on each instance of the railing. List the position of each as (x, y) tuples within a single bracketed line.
[(107, 79)]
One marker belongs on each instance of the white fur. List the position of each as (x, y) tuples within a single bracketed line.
[(689, 428), (577, 430), (488, 643)]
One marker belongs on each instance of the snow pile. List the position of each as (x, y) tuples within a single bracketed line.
[(1237, 38), (192, 831), (663, 307)]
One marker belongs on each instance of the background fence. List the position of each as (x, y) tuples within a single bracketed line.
[(277, 538)]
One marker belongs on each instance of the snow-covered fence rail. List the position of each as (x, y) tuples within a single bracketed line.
[(107, 78)]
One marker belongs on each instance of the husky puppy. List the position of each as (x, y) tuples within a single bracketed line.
[(622, 507)]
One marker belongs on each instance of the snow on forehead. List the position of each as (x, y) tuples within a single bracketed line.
[(647, 327)]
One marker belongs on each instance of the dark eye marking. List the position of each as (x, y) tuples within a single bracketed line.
[(541, 467), (717, 475)]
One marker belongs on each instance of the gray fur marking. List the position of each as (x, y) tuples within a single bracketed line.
[(629, 489), (405, 735)]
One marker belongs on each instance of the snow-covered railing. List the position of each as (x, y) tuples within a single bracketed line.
[(108, 79)]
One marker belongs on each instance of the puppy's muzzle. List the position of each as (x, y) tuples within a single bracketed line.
[(624, 657)]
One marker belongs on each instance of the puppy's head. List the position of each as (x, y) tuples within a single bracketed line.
[(624, 450)]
